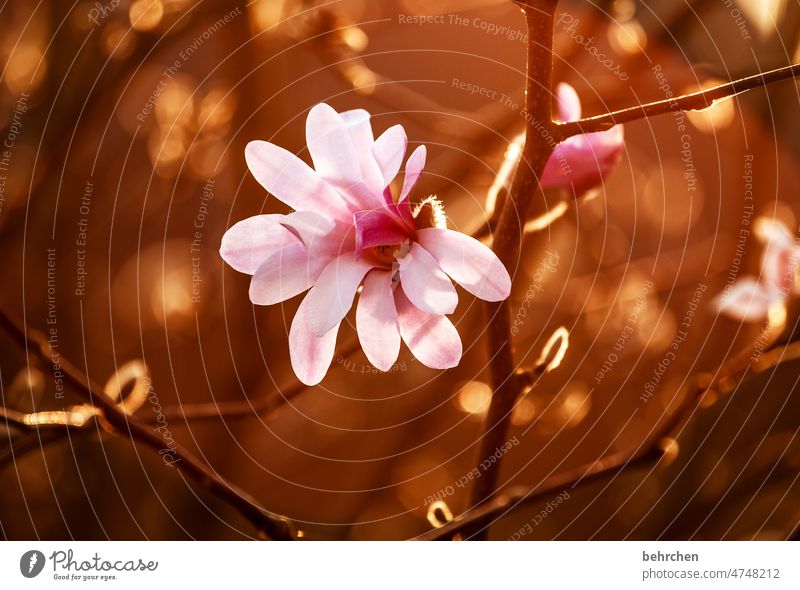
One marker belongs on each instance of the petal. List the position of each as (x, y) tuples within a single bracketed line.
[(778, 265), (468, 262), (432, 339), (773, 231), (403, 209), (311, 228), (582, 162), (311, 354), (336, 160), (291, 180), (779, 259), (389, 151), (250, 242), (747, 300), (360, 129), (331, 147), (288, 272), (569, 104), (414, 167), (376, 320), (332, 295), (378, 228), (425, 283)]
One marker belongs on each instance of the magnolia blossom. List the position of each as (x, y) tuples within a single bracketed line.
[(348, 234), (749, 298), (581, 162)]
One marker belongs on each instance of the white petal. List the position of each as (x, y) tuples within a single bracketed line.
[(468, 262), (432, 339), (376, 320), (389, 151), (425, 283), (291, 180), (311, 354), (288, 272), (332, 295), (251, 241)]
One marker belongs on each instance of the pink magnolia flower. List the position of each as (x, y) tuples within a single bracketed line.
[(750, 299), (347, 233), (581, 162)]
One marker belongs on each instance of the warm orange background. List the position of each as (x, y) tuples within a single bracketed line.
[(356, 457)]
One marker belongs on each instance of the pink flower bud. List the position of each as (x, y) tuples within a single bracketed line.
[(581, 162)]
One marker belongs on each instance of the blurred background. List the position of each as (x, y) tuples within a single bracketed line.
[(124, 125)]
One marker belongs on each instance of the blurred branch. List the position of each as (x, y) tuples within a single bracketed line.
[(272, 525), (650, 451), (74, 417), (690, 102), (248, 408)]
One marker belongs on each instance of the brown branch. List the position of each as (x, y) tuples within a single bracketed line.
[(272, 525), (733, 372), (689, 102), (539, 145), (508, 237)]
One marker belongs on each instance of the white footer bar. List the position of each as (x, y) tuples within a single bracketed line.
[(408, 565)]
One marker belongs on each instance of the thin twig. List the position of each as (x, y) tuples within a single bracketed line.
[(689, 102), (273, 525)]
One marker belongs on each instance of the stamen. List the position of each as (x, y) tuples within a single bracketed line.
[(430, 213)]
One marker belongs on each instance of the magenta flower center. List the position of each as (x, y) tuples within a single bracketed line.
[(385, 235)]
